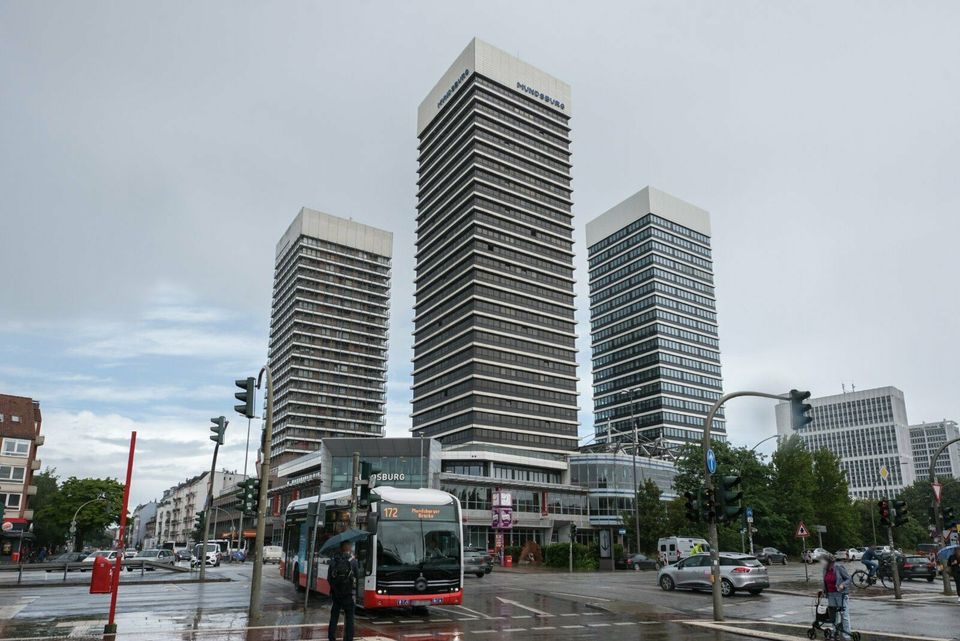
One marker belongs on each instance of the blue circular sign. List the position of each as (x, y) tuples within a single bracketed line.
[(711, 461)]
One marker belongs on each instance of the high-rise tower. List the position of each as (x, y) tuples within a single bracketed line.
[(653, 321), (328, 332), (494, 353)]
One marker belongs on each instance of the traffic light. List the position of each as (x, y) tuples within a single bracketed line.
[(899, 513), (883, 507), (248, 498), (245, 396), (948, 516), (799, 410), (199, 519), (730, 495), (708, 506), (692, 505), (573, 531), (363, 495), (219, 427)]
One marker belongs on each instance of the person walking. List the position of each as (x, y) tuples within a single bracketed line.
[(836, 585), (343, 574), (953, 563)]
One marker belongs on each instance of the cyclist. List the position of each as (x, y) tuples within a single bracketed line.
[(870, 560)]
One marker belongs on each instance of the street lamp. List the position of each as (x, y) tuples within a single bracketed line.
[(937, 514), (102, 496), (775, 436), (636, 449)]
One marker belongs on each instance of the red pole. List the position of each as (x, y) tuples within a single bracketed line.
[(111, 627)]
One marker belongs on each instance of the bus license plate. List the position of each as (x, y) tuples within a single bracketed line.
[(420, 602)]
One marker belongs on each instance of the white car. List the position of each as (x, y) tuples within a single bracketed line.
[(211, 558), (812, 555), (272, 554), (109, 555), (853, 554)]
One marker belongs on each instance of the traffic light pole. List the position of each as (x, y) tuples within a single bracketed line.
[(708, 486), (246, 455), (257, 580), (938, 515), (895, 565), (208, 503)]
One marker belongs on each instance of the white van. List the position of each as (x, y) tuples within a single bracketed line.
[(674, 548)]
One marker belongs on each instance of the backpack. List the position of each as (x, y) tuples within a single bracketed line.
[(341, 577)]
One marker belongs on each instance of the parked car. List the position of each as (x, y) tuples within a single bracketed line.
[(737, 572), (477, 561), (272, 553), (130, 553), (812, 555), (210, 556), (109, 555), (68, 557), (769, 556), (182, 554), (162, 557), (918, 567), (638, 562)]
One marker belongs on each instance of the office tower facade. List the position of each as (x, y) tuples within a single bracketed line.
[(494, 353), (926, 439), (328, 332), (653, 322), (868, 430)]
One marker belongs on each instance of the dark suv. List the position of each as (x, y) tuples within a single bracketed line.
[(477, 561)]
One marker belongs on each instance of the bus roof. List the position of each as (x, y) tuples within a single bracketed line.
[(400, 495)]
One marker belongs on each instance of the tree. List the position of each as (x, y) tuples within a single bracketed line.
[(57, 513), (653, 517), (833, 506), (794, 487), (47, 483)]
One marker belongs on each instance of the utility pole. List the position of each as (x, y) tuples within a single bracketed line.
[(267, 435), (218, 429), (354, 487), (938, 514), (636, 449), (708, 489)]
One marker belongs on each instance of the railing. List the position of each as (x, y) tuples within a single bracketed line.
[(130, 564)]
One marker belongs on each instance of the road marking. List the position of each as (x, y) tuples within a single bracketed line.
[(580, 596), (484, 631), (626, 623), (544, 627), (482, 615), (598, 625), (569, 614), (592, 614), (525, 607), (411, 620), (570, 627), (514, 630)]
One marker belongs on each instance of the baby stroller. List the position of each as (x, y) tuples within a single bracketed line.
[(829, 619)]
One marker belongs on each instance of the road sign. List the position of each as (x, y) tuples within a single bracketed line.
[(884, 472), (749, 513), (711, 461), (822, 529), (623, 531), (937, 492), (802, 531)]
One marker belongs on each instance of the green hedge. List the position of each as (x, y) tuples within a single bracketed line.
[(557, 555)]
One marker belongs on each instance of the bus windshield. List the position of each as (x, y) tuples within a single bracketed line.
[(418, 544)]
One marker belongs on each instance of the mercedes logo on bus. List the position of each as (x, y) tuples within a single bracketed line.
[(420, 584)]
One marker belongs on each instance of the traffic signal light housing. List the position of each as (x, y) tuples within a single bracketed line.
[(883, 508), (248, 498), (363, 495), (730, 495), (219, 427), (949, 518), (899, 513), (199, 519), (708, 506), (799, 409), (692, 505), (573, 531), (245, 396)]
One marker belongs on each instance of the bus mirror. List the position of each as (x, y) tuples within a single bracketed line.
[(372, 523)]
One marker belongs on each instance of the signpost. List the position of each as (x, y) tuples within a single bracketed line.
[(711, 461), (749, 513), (501, 519), (937, 492), (803, 533), (821, 529)]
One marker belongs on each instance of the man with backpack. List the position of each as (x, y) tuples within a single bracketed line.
[(343, 574)]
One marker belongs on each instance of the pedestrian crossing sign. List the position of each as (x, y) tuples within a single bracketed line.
[(802, 531)]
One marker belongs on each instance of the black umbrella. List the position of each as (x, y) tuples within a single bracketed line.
[(333, 543)]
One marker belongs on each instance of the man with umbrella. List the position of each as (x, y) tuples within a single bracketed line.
[(343, 574)]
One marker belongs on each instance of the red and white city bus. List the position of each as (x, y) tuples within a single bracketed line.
[(412, 558)]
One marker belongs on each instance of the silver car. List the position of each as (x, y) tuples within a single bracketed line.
[(737, 572)]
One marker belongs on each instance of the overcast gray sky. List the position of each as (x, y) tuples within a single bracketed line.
[(151, 154)]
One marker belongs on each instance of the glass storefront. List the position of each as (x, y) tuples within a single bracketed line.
[(475, 497)]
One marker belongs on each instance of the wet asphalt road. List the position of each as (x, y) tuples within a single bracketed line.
[(505, 605)]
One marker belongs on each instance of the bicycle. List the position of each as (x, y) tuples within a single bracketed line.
[(863, 580)]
